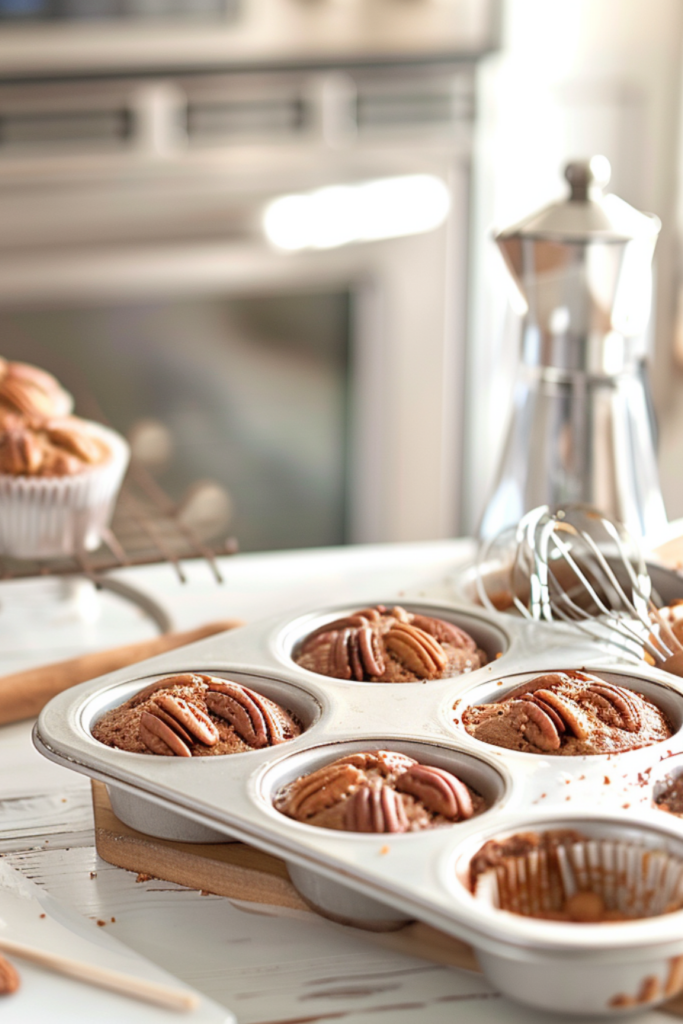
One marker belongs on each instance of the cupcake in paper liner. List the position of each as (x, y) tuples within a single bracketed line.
[(28, 391), (58, 483), (565, 876)]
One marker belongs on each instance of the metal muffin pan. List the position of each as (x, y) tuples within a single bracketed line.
[(414, 874)]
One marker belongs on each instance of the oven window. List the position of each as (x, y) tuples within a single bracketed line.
[(250, 392)]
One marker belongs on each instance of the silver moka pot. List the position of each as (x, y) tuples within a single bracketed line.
[(582, 423)]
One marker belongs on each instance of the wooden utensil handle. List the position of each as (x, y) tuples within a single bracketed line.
[(115, 981), (25, 694)]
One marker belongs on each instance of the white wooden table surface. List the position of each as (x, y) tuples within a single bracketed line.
[(265, 964)]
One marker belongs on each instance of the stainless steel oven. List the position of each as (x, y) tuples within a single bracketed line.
[(269, 264)]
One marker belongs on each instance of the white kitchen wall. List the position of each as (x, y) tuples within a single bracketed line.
[(573, 78)]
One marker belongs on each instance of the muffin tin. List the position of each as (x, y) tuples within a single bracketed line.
[(380, 881)]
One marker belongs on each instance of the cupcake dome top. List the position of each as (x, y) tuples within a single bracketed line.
[(29, 391), (51, 448)]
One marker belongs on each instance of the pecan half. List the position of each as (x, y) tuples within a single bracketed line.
[(189, 717), (575, 719), (9, 977), (621, 701), (25, 396), (401, 614), (322, 789), (375, 809), (541, 725), (21, 454), (445, 632), (160, 738), (370, 652), (361, 618), (254, 718), (440, 792), (183, 679), (75, 441), (418, 651), (340, 659)]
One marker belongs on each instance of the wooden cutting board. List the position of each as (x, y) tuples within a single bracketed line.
[(241, 872)]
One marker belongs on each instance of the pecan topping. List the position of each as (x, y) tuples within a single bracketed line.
[(171, 722), (253, 717), (381, 645), (39, 448), (75, 440), (190, 718), (20, 453), (445, 632), (25, 397), (401, 614), (570, 713), (540, 727), (416, 649), (160, 738), (175, 715), (323, 788), (9, 977), (370, 653), (341, 660), (355, 653), (621, 702), (361, 618), (440, 792), (574, 717), (375, 809)]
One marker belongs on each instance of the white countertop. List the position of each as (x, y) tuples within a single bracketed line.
[(268, 965)]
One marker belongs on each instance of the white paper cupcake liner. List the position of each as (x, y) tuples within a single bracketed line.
[(631, 879), (54, 517)]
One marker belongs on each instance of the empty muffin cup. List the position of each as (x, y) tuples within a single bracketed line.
[(563, 876), (583, 916)]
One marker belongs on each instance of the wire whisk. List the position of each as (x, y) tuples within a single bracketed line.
[(578, 567)]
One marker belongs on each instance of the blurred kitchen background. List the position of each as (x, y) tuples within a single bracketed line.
[(255, 236)]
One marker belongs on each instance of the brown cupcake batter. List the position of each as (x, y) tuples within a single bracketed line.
[(378, 791), (568, 713), (50, 448), (377, 645), (195, 715)]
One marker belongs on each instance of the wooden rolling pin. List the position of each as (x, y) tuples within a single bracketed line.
[(25, 694)]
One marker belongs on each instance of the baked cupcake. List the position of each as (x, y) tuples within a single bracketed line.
[(59, 478), (378, 791), (568, 713), (381, 645), (26, 390), (195, 715)]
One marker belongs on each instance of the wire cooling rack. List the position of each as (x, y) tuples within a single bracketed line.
[(147, 527)]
